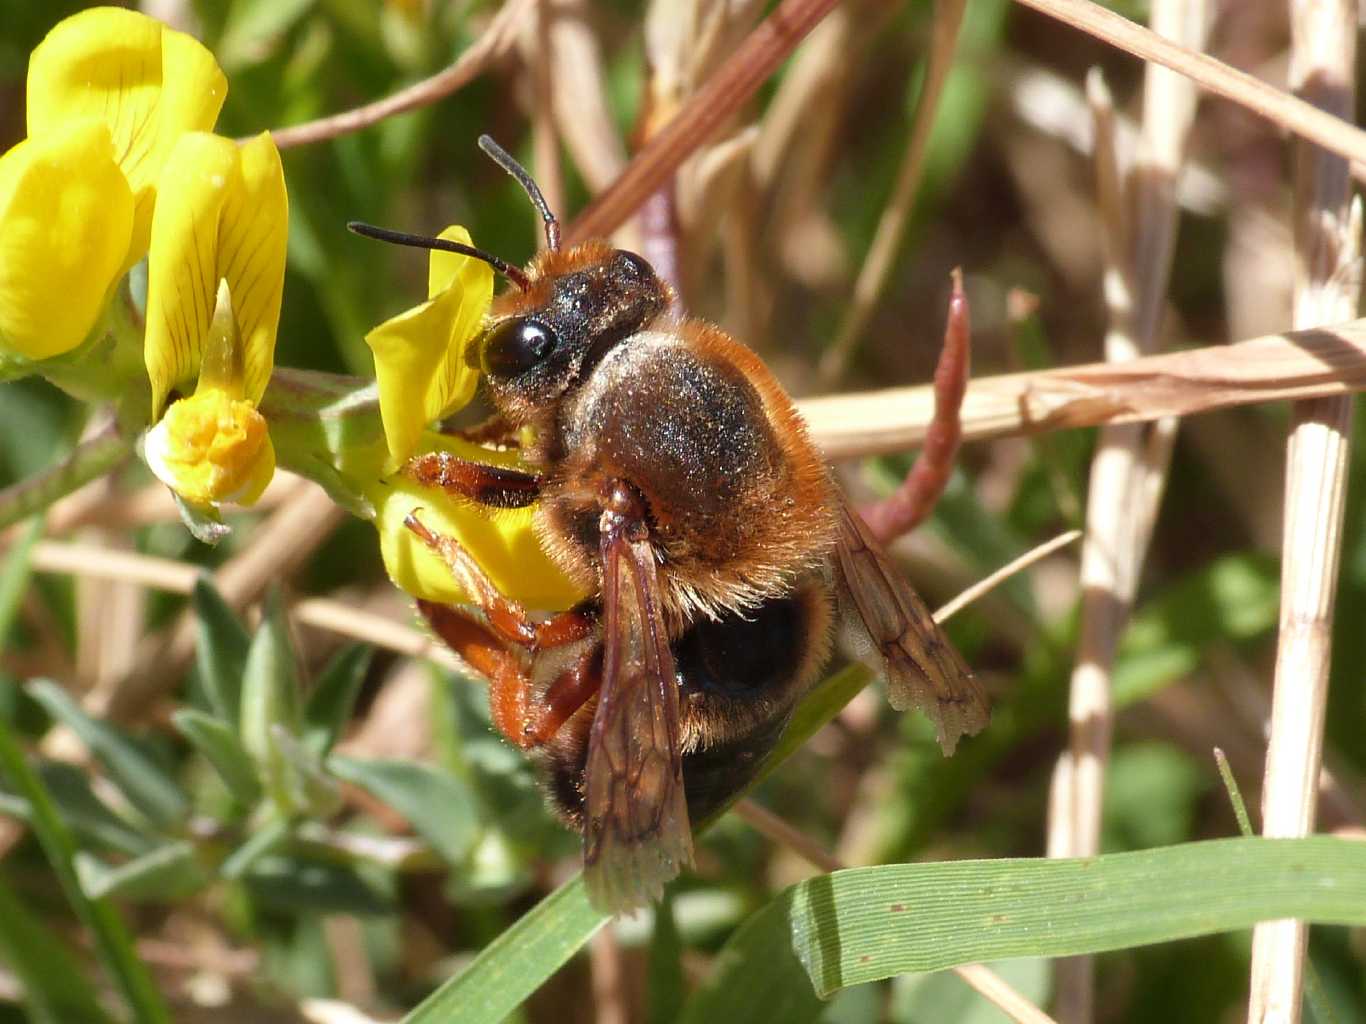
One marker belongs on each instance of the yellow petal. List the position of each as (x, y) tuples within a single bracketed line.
[(66, 214), (423, 353), (182, 266), (253, 234), (146, 83), (503, 541), (223, 215), (211, 448)]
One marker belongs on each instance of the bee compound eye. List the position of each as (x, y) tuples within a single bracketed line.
[(516, 346), (636, 266)]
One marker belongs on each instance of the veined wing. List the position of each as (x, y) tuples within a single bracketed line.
[(636, 831), (922, 668)]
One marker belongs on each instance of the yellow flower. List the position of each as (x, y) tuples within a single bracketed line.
[(65, 216), (211, 448), (214, 446), (226, 219), (422, 357), (146, 83), (109, 92), (502, 541)]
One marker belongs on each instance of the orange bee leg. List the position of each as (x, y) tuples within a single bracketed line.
[(495, 486), (507, 617), (526, 718)]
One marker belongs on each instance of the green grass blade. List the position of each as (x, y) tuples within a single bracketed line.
[(15, 574), (112, 939), (141, 779), (55, 987), (513, 965), (221, 647), (867, 924)]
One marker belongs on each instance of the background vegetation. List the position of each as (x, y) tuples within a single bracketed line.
[(423, 836)]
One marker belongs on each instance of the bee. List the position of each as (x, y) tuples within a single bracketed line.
[(673, 479)]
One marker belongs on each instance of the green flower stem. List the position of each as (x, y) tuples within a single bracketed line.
[(326, 427), (90, 460)]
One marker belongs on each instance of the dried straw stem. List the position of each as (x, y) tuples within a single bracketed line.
[(175, 577), (1289, 112), (1294, 365), (704, 113), (1138, 210), (877, 267), (1327, 288), (497, 40)]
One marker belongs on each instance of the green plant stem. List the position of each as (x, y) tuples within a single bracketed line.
[(113, 941), (89, 460)]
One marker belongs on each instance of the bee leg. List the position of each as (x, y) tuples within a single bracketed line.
[(526, 718), (494, 430), (506, 617), (495, 486)]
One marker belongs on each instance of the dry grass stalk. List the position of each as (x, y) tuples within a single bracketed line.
[(1327, 288), (734, 82), (1293, 365), (538, 56), (1138, 211), (578, 102), (877, 266), (341, 618), (1288, 112), (497, 40)]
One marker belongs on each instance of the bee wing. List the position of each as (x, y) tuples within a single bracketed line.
[(922, 668), (636, 831)]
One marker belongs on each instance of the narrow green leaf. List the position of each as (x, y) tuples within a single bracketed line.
[(15, 575), (144, 782), (84, 813), (289, 883), (169, 872), (334, 695), (312, 790), (664, 974), (265, 840), (270, 698), (513, 965), (438, 805), (220, 651), (56, 989), (866, 924), (112, 939), (215, 739)]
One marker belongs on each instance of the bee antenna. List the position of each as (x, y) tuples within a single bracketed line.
[(513, 274), (505, 160)]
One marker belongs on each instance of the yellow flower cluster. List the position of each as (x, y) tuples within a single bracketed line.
[(119, 165)]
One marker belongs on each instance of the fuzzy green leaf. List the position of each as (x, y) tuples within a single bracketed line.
[(220, 651), (215, 739), (333, 697), (145, 783), (438, 805)]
